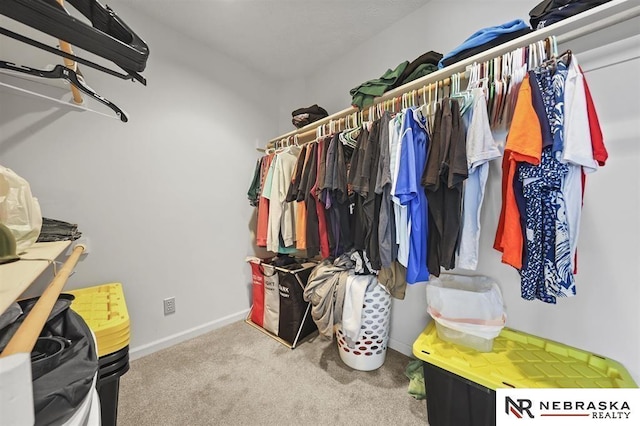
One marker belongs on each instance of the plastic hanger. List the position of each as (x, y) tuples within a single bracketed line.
[(464, 97), (531, 58), (505, 77), (62, 72), (130, 75), (497, 90), (472, 80), (80, 107)]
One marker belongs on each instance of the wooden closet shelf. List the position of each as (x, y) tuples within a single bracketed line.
[(16, 277)]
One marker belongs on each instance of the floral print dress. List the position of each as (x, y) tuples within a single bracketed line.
[(547, 272)]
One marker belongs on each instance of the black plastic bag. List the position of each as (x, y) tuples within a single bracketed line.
[(64, 361)]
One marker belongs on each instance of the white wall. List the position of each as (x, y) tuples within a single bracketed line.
[(292, 95), (439, 25), (163, 197), (604, 318)]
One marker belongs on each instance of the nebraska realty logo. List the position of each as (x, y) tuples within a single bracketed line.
[(567, 406), (594, 409)]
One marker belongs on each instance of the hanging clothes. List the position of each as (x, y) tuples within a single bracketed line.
[(578, 151), (358, 186), (281, 229), (386, 223), (411, 163), (323, 236), (324, 196), (400, 210), (297, 175), (599, 150), (548, 192), (481, 149), (524, 144), (313, 232), (253, 194), (263, 205), (409, 200), (542, 186), (337, 200), (300, 199), (547, 273), (371, 202), (443, 176)]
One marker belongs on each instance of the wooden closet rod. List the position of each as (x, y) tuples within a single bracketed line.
[(70, 63), (340, 118), (27, 334), (595, 19)]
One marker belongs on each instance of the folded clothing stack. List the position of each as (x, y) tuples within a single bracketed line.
[(304, 116), (57, 230), (363, 95), (485, 39), (549, 12)]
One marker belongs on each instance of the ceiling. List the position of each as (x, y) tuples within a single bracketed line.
[(281, 38)]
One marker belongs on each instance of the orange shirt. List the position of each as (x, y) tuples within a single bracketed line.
[(524, 144)]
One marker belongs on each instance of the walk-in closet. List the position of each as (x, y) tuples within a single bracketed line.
[(278, 212)]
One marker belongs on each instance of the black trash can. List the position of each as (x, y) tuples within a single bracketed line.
[(111, 368)]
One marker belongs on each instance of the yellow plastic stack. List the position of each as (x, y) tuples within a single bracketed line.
[(104, 309)]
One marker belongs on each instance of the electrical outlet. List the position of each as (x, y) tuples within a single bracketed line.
[(170, 305)]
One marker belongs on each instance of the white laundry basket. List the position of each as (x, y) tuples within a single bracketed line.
[(371, 347)]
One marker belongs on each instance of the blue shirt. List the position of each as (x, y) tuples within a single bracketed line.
[(413, 156)]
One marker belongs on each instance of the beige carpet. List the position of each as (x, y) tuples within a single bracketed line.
[(236, 375)]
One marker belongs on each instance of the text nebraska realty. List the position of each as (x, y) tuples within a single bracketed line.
[(597, 409)]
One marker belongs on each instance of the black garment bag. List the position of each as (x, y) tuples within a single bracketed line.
[(109, 37)]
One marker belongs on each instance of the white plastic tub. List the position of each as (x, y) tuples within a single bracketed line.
[(468, 310), (447, 334)]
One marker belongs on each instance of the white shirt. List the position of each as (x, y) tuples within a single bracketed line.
[(281, 213), (400, 211), (288, 160), (577, 150), (481, 148)]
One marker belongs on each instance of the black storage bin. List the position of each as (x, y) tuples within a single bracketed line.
[(295, 320), (453, 400), (111, 368)]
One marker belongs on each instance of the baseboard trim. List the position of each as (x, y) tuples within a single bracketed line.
[(165, 342), (401, 347)]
